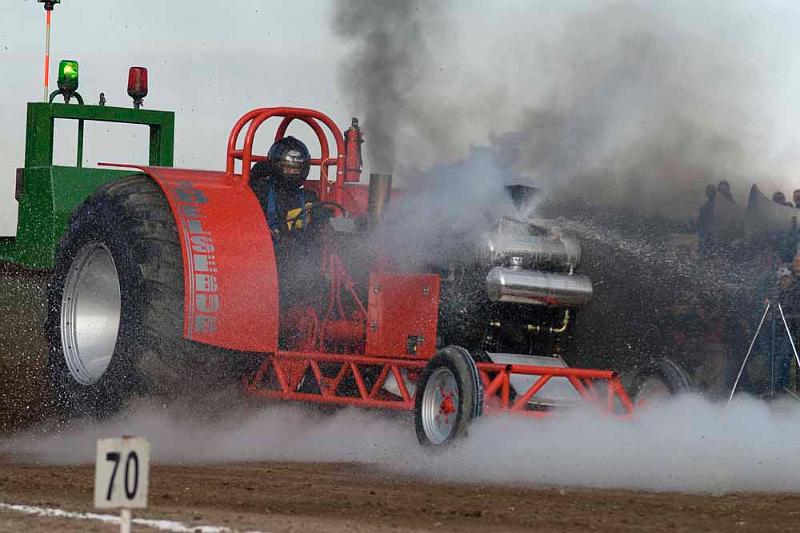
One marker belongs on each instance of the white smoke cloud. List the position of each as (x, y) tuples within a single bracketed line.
[(685, 445)]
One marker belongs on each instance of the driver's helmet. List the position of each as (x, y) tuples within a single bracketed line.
[(289, 162)]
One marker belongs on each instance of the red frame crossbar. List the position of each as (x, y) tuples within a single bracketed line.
[(285, 376)]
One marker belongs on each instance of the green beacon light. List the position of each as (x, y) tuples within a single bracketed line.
[(67, 81), (68, 75)]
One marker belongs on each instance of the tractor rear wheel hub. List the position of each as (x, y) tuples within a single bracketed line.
[(90, 313)]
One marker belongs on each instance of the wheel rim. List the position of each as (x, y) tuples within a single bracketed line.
[(440, 405), (90, 313), (652, 391)]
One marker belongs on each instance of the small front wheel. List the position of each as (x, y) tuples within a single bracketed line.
[(448, 397)]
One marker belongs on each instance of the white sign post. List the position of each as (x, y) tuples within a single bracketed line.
[(121, 475)]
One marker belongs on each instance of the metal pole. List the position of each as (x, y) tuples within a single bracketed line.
[(48, 12), (749, 350), (125, 521), (772, 355), (79, 164)]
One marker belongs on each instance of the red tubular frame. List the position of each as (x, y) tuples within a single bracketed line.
[(353, 366), (286, 382), (256, 117), (496, 379)]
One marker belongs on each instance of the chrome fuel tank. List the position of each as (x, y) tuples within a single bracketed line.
[(516, 285)]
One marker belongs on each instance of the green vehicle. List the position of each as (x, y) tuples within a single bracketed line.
[(33, 259)]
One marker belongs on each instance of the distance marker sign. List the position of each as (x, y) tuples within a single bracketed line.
[(121, 473)]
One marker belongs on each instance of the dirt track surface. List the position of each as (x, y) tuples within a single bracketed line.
[(346, 497)]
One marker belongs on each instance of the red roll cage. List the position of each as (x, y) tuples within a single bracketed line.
[(329, 190)]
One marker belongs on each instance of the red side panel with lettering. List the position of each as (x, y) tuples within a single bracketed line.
[(230, 277)]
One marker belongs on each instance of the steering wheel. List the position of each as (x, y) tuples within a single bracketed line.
[(317, 206)]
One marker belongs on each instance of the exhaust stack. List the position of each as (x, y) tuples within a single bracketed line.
[(380, 192)]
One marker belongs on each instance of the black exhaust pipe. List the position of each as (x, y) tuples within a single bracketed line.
[(380, 192)]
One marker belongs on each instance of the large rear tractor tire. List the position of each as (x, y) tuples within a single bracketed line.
[(115, 305), (448, 396)]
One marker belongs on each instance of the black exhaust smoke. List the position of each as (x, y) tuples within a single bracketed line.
[(387, 59)]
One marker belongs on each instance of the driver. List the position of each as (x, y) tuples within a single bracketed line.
[(279, 186)]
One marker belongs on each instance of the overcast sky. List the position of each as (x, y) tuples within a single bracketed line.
[(212, 60)]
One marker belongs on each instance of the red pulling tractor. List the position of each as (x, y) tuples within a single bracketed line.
[(162, 275)]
